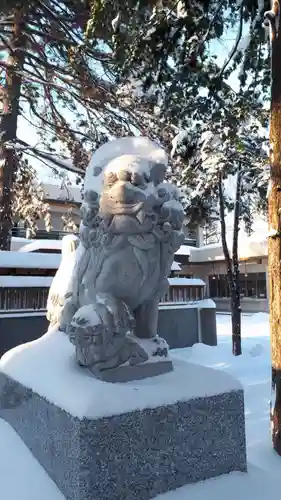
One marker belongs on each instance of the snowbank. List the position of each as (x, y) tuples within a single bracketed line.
[(21, 476), (18, 242)]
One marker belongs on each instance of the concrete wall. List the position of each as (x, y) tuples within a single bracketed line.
[(247, 305), (20, 328), (183, 326), (179, 326)]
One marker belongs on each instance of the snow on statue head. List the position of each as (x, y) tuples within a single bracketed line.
[(130, 230), (140, 146)]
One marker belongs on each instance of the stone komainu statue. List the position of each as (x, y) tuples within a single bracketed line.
[(60, 283), (128, 236)]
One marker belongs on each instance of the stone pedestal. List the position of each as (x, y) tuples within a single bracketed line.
[(132, 441)]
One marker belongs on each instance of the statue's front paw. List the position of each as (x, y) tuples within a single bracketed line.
[(138, 357)]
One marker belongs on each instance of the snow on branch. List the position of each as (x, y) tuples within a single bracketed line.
[(237, 41), (65, 163)]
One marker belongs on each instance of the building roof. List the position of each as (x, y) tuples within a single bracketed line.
[(62, 193), (37, 245), (255, 246)]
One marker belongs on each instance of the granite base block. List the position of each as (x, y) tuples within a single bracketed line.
[(135, 455)]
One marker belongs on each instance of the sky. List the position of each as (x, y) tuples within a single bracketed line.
[(28, 134)]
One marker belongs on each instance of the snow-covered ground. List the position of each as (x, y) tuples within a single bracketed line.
[(22, 478)]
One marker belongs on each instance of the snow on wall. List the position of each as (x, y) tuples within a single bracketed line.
[(196, 304)]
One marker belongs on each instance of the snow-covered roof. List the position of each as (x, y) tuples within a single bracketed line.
[(64, 193), (30, 260), (35, 245), (183, 250), (175, 266), (185, 282), (17, 243), (253, 248), (249, 247)]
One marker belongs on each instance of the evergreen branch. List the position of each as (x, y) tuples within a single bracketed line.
[(51, 125), (212, 22), (236, 44), (50, 157)]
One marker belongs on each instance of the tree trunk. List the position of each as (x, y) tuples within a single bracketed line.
[(274, 241), (235, 296), (236, 324), (8, 130), (232, 267)]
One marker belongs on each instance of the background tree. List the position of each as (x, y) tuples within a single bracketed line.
[(28, 203), (164, 53), (274, 208), (231, 147), (165, 48), (62, 84)]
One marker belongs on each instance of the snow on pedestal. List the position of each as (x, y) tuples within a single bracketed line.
[(111, 441)]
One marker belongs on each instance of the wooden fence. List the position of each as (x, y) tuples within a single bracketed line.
[(25, 279)]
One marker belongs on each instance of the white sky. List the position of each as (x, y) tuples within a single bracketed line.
[(28, 134)]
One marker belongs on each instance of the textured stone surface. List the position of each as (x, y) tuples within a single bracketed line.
[(130, 229), (134, 455)]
